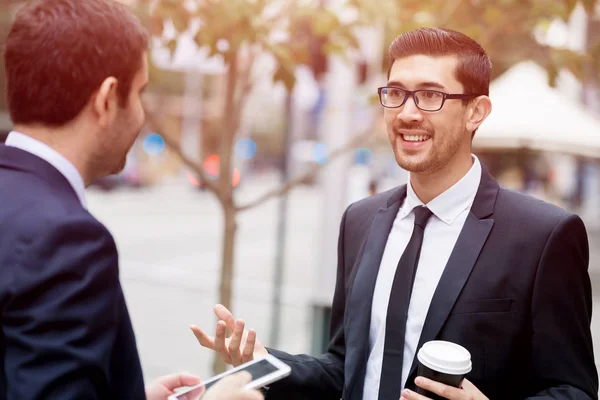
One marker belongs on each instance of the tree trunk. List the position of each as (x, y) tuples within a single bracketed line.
[(227, 260), (229, 119)]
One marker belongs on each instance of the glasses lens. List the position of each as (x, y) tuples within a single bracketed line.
[(392, 97), (429, 100)]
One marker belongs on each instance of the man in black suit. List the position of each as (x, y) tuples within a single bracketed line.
[(75, 72), (450, 256)]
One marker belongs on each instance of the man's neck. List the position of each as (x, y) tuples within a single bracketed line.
[(429, 185), (63, 141)]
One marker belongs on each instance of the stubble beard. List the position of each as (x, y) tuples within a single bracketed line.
[(435, 159)]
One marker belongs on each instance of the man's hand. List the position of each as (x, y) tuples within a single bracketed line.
[(467, 392), (232, 388), (229, 349), (228, 388), (165, 386)]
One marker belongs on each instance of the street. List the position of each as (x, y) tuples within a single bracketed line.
[(169, 240)]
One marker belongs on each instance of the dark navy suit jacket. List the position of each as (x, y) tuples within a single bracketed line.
[(515, 292), (66, 332)]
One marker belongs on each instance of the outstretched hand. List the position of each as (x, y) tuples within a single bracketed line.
[(241, 347)]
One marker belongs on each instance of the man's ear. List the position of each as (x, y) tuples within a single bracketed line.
[(479, 109), (106, 102)]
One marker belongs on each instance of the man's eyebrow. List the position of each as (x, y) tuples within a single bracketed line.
[(422, 85)]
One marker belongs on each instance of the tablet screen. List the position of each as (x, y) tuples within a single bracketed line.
[(258, 370)]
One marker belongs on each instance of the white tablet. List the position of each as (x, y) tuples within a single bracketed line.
[(263, 371)]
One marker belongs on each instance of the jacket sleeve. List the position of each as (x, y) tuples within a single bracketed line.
[(61, 318), (563, 357), (320, 377)]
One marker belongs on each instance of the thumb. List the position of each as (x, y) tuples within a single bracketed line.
[(186, 379), (174, 381)]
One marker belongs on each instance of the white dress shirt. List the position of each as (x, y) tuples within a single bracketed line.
[(54, 158), (450, 210)]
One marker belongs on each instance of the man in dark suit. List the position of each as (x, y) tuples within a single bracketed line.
[(450, 256), (75, 72)]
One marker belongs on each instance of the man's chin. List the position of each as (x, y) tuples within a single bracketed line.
[(119, 168), (413, 164)]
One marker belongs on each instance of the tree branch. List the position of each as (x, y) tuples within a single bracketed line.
[(315, 169), (176, 148)]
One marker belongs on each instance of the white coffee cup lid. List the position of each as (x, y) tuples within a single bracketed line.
[(445, 357)]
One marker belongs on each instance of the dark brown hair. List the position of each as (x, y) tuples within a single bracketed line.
[(474, 66), (59, 52)]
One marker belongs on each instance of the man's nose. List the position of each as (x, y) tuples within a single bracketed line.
[(409, 112)]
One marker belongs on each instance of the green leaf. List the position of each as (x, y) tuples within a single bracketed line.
[(349, 35), (286, 76), (204, 38), (552, 74), (334, 48), (325, 23), (590, 6), (172, 46), (180, 20), (570, 6)]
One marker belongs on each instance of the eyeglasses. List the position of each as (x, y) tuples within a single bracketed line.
[(426, 100)]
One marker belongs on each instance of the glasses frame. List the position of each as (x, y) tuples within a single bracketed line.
[(413, 93)]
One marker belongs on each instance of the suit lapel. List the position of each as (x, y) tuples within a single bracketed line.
[(461, 262), (361, 293)]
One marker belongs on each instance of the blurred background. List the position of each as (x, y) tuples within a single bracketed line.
[(263, 125)]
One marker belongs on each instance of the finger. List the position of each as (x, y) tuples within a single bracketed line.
[(248, 352), (447, 392), (175, 381), (234, 343), (220, 341), (225, 315), (468, 386), (410, 395), (185, 379), (251, 395), (203, 338)]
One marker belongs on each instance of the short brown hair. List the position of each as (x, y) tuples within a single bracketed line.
[(58, 52), (474, 66)]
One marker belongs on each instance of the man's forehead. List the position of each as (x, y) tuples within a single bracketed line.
[(418, 69)]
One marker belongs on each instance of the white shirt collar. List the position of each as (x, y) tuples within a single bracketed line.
[(449, 204), (54, 158)]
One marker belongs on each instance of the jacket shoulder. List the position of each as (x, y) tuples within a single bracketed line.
[(360, 213), (528, 207)]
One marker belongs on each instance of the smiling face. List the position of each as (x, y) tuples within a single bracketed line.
[(426, 141)]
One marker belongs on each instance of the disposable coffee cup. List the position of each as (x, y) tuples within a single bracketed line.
[(444, 362)]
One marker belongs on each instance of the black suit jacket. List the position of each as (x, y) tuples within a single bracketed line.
[(66, 332), (515, 292)]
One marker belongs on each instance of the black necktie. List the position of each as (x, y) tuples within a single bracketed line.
[(397, 313)]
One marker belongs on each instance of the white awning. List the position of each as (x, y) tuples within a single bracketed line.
[(527, 112)]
